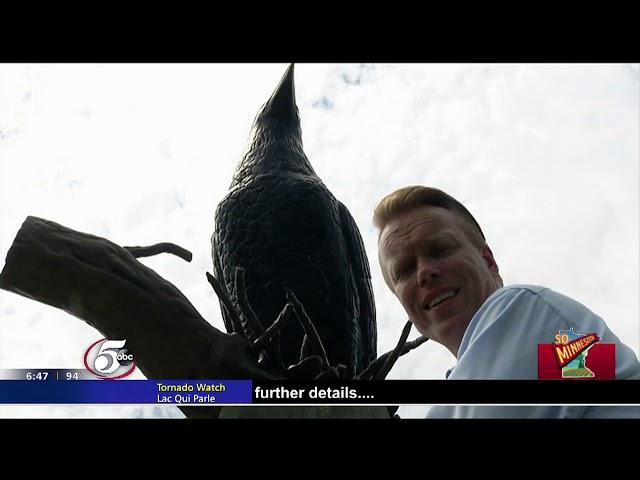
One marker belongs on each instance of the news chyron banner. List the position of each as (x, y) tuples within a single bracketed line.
[(59, 387), (107, 378)]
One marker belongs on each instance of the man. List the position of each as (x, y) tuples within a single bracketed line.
[(435, 259)]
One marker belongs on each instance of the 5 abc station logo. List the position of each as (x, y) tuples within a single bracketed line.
[(109, 359)]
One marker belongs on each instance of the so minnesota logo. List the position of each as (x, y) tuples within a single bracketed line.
[(109, 359), (576, 356)]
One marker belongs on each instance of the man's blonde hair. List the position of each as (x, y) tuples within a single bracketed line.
[(409, 198)]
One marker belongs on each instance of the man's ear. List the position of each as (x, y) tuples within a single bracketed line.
[(487, 255)]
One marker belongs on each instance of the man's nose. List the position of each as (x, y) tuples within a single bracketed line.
[(427, 272)]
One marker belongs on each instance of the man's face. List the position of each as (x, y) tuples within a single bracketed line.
[(438, 275)]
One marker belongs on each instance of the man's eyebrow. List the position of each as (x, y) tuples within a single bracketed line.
[(393, 246), (442, 235)]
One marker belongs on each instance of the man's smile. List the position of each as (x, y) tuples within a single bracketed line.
[(439, 297)]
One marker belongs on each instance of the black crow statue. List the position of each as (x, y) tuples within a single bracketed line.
[(282, 229)]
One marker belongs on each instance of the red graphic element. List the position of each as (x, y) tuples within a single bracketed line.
[(565, 353), (601, 360)]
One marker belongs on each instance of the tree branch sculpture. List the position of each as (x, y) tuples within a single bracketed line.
[(106, 286)]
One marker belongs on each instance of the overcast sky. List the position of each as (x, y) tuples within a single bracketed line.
[(545, 156)]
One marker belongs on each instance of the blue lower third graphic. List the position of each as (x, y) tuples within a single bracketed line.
[(101, 392)]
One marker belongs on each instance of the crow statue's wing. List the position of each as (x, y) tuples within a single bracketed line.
[(218, 272), (359, 265)]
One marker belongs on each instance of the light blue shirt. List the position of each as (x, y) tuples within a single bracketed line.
[(501, 342)]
